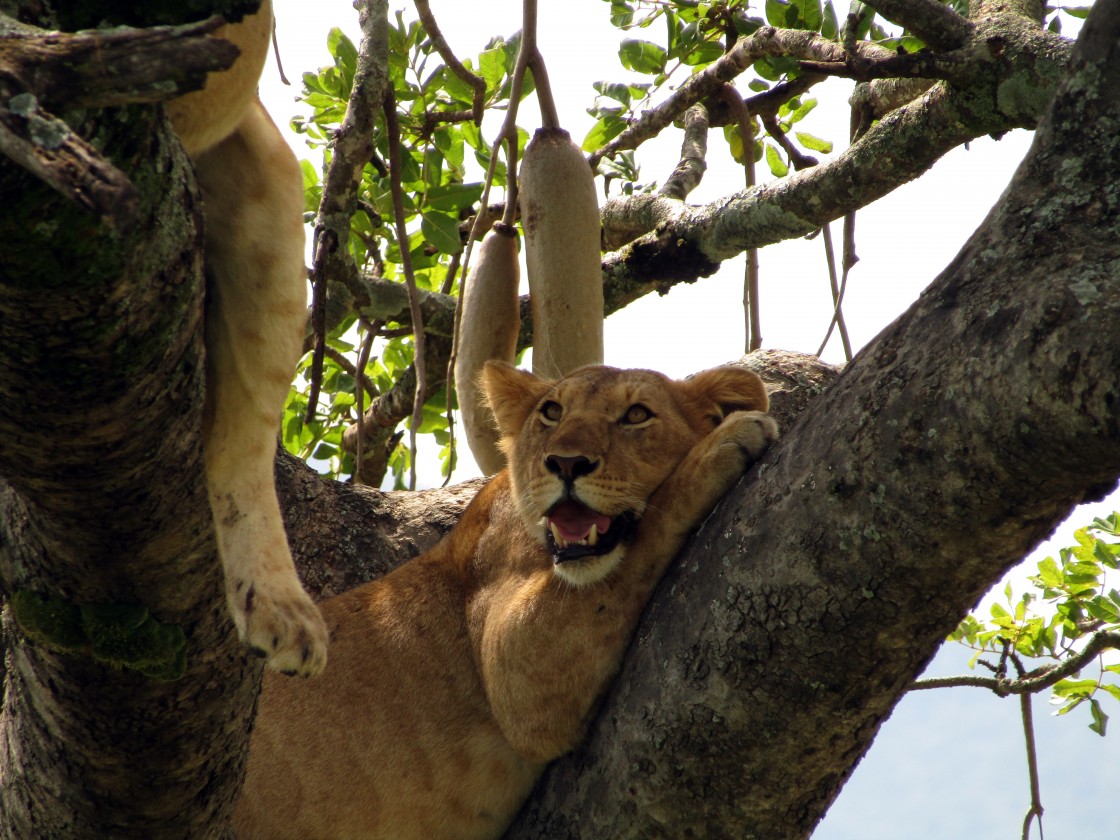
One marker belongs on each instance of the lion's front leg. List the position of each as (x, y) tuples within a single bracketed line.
[(703, 477), (254, 327)]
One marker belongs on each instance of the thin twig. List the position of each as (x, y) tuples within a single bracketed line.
[(343, 362), (452, 272), (800, 161), (837, 320), (1027, 713), (766, 41), (507, 134), (478, 84), (276, 54), (393, 130), (323, 243), (750, 280), (360, 393), (1033, 682)]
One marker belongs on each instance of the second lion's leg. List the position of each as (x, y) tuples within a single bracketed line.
[(255, 314)]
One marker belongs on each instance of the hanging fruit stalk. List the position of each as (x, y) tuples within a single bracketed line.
[(560, 216), (488, 329)]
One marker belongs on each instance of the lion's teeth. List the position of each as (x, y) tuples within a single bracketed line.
[(560, 541), (593, 535)]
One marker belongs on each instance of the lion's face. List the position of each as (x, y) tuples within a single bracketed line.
[(587, 452)]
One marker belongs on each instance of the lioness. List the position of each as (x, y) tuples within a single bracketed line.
[(255, 314), (453, 680)]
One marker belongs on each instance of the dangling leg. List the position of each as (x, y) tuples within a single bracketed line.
[(254, 327)]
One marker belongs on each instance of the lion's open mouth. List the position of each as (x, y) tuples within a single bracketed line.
[(576, 531)]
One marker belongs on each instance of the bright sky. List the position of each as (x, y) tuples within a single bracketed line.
[(949, 763)]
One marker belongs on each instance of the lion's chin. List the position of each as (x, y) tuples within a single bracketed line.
[(585, 545), (590, 569)]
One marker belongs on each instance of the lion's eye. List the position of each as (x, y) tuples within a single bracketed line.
[(551, 412), (636, 415)]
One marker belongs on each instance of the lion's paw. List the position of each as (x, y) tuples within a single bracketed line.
[(279, 621), (740, 440), (751, 431)]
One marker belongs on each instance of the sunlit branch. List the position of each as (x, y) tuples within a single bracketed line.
[(694, 148), (477, 83), (936, 24), (352, 149), (1035, 681), (45, 73), (767, 41)]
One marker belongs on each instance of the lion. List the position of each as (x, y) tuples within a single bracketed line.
[(456, 678), (252, 191)]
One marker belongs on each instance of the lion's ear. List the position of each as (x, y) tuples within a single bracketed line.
[(730, 388), (512, 394)]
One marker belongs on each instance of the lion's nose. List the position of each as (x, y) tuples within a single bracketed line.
[(570, 468)]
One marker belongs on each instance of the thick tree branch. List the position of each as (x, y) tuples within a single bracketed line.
[(46, 72), (694, 148), (951, 446), (1011, 82), (937, 25), (767, 41), (922, 65), (899, 148)]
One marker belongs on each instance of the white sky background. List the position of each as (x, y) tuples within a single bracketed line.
[(949, 763)]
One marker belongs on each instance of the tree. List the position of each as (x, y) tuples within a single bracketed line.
[(798, 615)]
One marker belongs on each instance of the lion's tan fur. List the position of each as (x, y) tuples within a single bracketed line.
[(457, 677), (252, 192)]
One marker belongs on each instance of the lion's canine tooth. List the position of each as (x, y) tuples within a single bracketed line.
[(593, 534), (560, 541)]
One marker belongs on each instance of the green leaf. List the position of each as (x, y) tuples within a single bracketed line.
[(642, 56), (802, 111), (1100, 719), (450, 142), (1049, 574), (781, 14), (814, 143), (613, 90), (441, 231), (622, 14), (809, 14), (492, 67), (830, 28), (1102, 609), (1081, 12), (604, 130), (454, 197), (775, 162), (774, 67), (473, 137)]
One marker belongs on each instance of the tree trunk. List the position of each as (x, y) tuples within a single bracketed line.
[(770, 654), (953, 444), (106, 552)]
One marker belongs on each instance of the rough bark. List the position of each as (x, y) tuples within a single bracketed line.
[(103, 513), (946, 450), (953, 443)]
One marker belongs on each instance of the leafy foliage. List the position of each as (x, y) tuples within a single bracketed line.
[(444, 153), (438, 144), (1072, 598)]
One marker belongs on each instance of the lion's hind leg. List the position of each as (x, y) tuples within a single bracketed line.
[(254, 327)]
